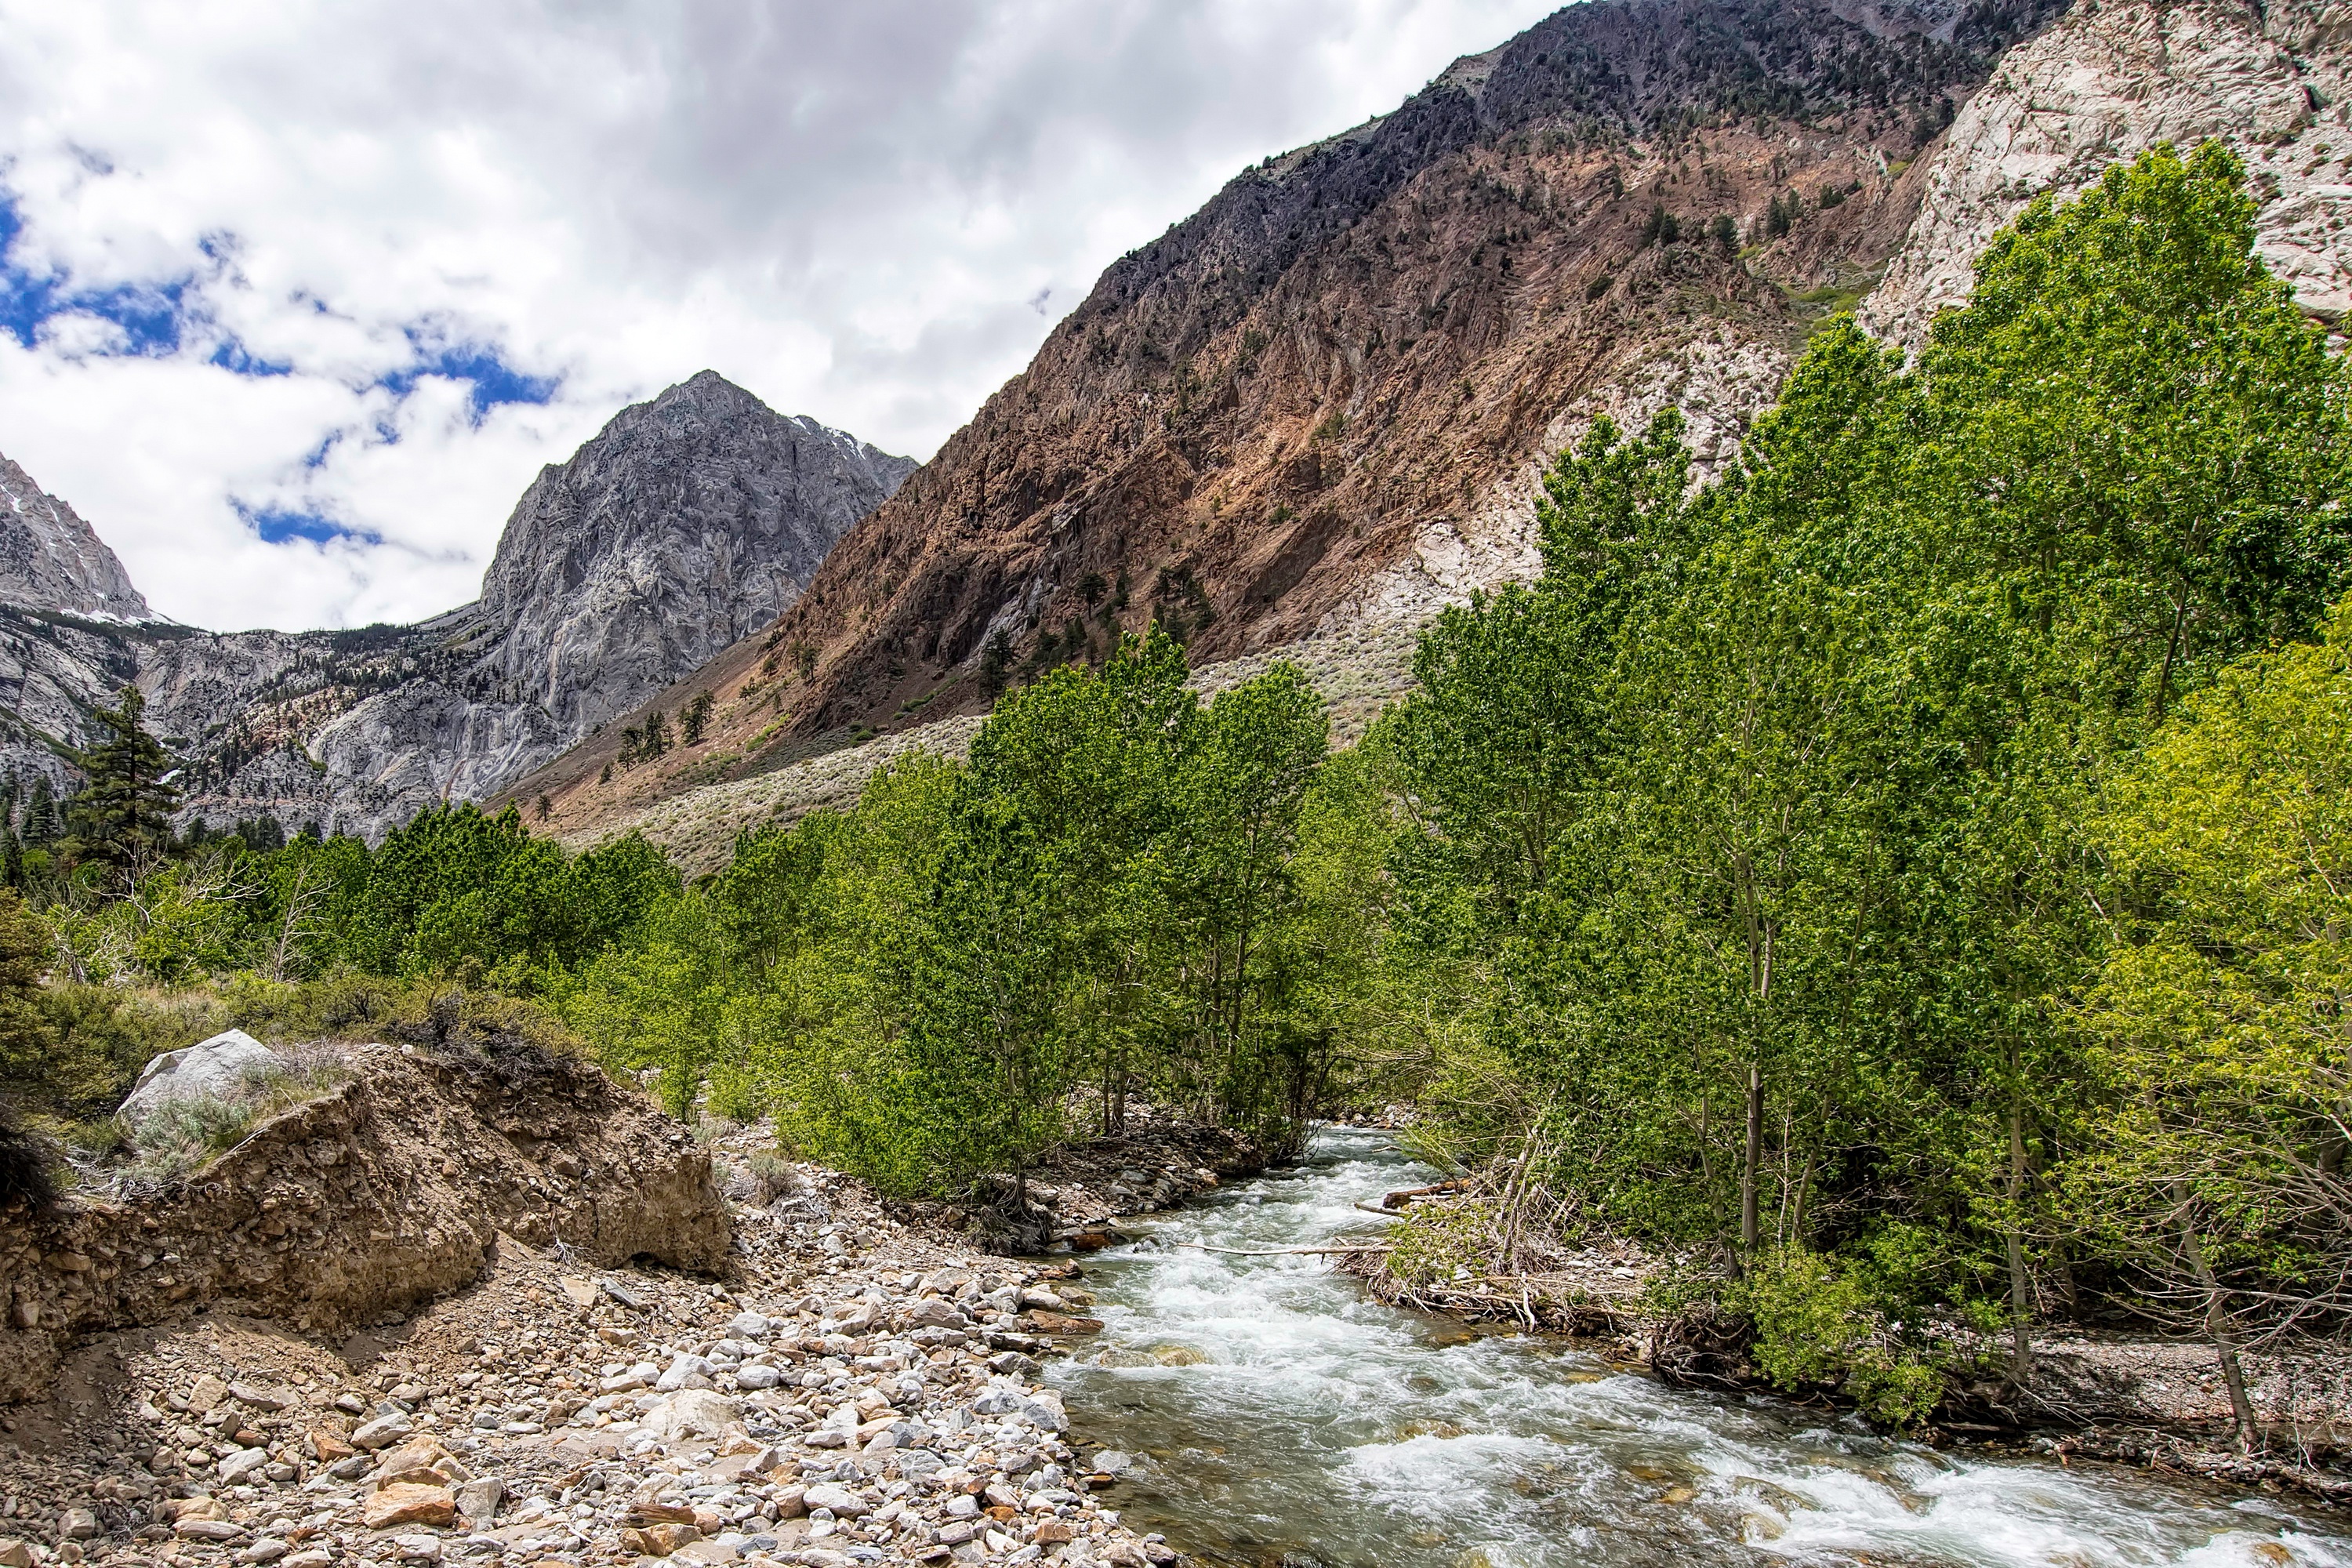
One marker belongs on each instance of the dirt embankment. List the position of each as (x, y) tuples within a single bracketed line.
[(388, 1190)]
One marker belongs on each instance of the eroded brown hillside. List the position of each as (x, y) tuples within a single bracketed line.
[(1349, 348)]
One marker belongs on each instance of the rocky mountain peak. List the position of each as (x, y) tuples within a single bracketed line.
[(51, 560), (684, 523)]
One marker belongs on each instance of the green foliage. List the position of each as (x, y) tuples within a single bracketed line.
[(27, 1041), (1818, 1323), (1441, 1242), (2217, 1162), (1772, 829)]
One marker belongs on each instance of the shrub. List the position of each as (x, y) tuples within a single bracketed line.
[(97, 1037), (27, 1161), (1817, 1321), (1434, 1242)]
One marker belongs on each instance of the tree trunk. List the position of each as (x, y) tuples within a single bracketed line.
[(2020, 1301), (1752, 1161), (2217, 1326)]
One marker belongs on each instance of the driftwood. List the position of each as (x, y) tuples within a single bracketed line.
[(1397, 1200)]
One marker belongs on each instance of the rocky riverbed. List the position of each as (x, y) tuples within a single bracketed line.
[(862, 1384)]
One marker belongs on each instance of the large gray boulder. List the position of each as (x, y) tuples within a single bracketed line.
[(217, 1067)]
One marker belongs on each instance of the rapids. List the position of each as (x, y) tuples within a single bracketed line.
[(1278, 1414)]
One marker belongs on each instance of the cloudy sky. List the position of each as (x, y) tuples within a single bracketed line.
[(296, 297)]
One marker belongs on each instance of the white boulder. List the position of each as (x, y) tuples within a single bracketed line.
[(218, 1066)]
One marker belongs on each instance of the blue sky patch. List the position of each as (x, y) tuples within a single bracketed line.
[(283, 525), (153, 317), (492, 380), (158, 318)]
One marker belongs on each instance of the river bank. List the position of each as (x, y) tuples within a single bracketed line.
[(860, 1381), (864, 1383), (2117, 1397), (1277, 1412)]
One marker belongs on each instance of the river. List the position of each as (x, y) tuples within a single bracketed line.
[(1279, 1414)]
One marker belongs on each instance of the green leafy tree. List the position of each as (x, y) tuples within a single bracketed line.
[(2217, 1167)]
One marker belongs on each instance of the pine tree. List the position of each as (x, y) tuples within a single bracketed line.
[(694, 717), (124, 813), (996, 665), (40, 824)]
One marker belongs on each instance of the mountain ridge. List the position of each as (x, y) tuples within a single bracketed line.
[(50, 560), (619, 569), (1355, 349)]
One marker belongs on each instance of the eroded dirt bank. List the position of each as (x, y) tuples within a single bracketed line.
[(386, 1191), (820, 1378)]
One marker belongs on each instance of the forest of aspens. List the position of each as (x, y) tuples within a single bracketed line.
[(1904, 880)]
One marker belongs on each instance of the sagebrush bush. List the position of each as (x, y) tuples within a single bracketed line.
[(181, 1136)]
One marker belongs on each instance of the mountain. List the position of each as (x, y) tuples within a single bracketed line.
[(688, 523), (1312, 414), (1322, 398), (51, 560), (685, 523)]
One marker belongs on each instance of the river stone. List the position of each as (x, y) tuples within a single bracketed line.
[(382, 1432), (931, 1312), (686, 1371), (1111, 1462), (217, 1067), (404, 1504), (241, 1464), (845, 1503), (695, 1411), (477, 1500), (914, 1464)]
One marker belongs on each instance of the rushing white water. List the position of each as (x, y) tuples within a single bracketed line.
[(1280, 1415)]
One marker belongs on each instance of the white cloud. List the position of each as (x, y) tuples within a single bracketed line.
[(852, 210)]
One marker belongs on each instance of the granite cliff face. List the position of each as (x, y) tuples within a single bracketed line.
[(2108, 82), (689, 521), (683, 522)]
